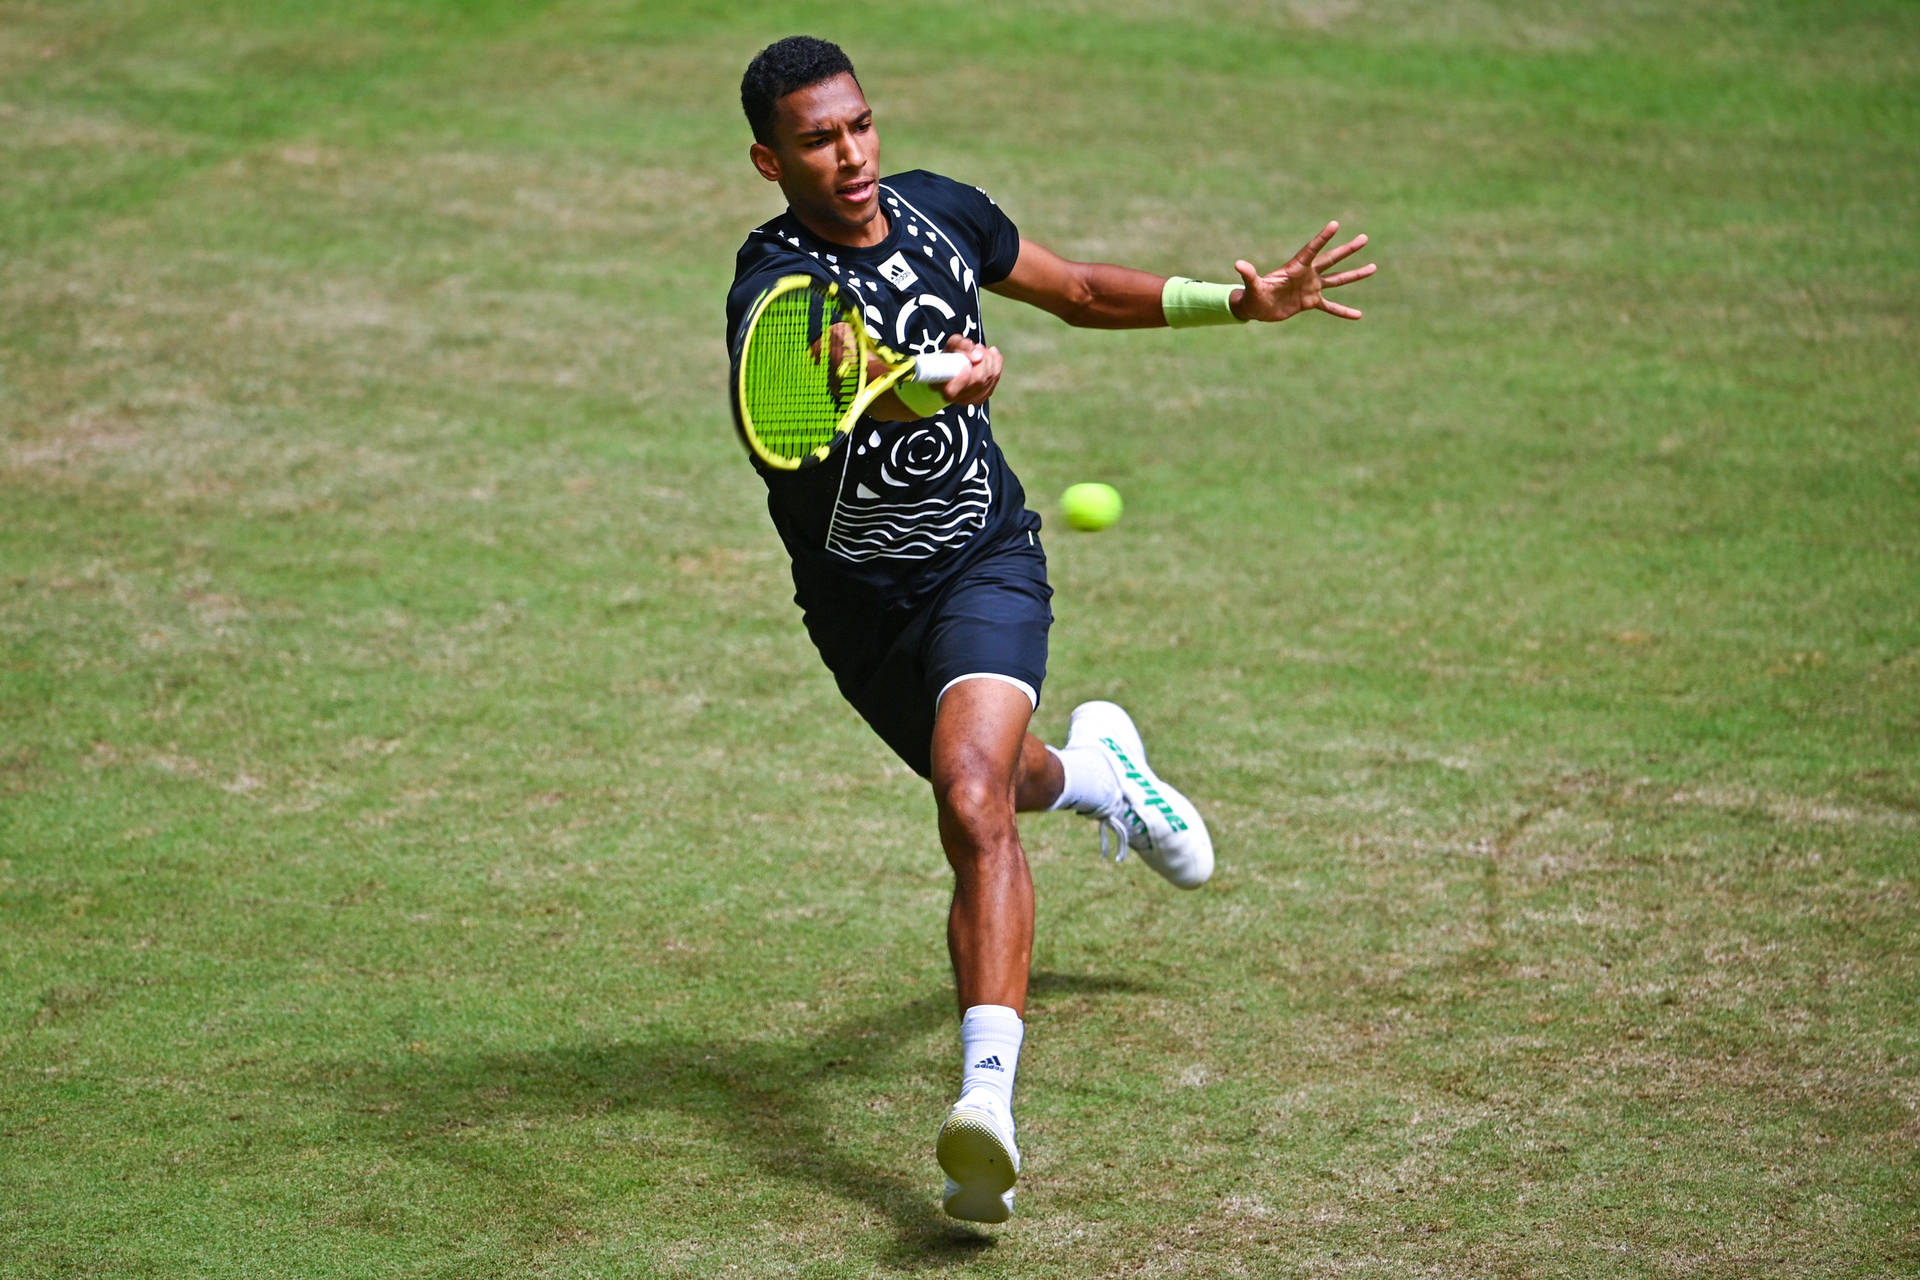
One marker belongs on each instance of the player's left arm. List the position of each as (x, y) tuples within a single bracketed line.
[(1099, 295)]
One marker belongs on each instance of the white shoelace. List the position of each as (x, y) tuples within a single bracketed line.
[(1109, 819)]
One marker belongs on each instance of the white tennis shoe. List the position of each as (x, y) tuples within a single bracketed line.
[(1150, 817), (977, 1152)]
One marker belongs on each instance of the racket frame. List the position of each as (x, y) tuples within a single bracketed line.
[(935, 368)]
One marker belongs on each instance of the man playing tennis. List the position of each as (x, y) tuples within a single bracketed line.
[(919, 567)]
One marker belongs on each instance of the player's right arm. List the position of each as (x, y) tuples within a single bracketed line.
[(971, 385)]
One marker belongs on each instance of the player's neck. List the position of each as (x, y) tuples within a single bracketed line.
[(866, 236)]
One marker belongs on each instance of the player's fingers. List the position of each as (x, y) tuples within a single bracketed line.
[(1334, 255), (990, 371), (1335, 309), (959, 388), (975, 392), (1348, 277), (977, 381), (1319, 242), (1247, 273)]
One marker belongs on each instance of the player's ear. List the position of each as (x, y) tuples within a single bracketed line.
[(765, 161)]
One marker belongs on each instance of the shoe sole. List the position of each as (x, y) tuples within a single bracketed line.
[(981, 1168)]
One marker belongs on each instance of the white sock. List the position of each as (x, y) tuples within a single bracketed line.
[(990, 1036), (1090, 784)]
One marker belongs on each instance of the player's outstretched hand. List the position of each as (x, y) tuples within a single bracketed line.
[(1301, 285), (976, 382)]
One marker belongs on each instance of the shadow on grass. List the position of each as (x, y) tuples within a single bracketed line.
[(761, 1098)]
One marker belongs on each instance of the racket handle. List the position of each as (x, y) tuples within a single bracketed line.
[(941, 366)]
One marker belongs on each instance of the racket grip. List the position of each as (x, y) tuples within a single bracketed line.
[(941, 366)]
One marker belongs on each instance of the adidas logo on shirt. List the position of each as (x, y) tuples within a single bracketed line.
[(897, 273), (991, 1063)]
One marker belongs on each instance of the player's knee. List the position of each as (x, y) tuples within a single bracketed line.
[(977, 805)]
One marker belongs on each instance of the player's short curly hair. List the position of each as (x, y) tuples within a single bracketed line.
[(783, 67)]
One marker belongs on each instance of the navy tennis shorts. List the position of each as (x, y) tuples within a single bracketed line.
[(990, 620)]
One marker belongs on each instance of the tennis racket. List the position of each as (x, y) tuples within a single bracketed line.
[(808, 368)]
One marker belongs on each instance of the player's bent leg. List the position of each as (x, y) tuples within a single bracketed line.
[(978, 746), (978, 735)]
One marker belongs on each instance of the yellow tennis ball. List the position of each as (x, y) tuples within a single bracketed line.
[(1090, 506)]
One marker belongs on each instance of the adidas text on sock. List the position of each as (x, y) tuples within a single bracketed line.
[(990, 1039)]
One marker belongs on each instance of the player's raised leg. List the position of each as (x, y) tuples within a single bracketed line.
[(1102, 772), (1040, 780), (979, 737)]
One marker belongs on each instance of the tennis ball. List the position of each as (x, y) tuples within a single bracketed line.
[(1090, 506)]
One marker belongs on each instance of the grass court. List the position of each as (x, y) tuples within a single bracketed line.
[(429, 848)]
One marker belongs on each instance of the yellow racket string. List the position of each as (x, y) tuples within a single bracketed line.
[(801, 372)]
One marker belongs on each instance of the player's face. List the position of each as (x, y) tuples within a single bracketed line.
[(826, 158)]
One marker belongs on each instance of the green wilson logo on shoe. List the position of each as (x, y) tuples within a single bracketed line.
[(1154, 798)]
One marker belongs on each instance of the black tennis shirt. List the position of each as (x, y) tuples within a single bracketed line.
[(898, 508)]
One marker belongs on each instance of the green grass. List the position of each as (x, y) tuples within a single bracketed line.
[(428, 847)]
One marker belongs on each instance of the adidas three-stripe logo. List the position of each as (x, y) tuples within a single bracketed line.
[(990, 1063), (1153, 797)]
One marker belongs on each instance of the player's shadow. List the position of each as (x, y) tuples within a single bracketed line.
[(761, 1098)]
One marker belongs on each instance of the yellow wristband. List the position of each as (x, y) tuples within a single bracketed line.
[(1188, 303), (920, 397)]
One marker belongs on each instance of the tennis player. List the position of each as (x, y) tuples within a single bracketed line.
[(917, 563)]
